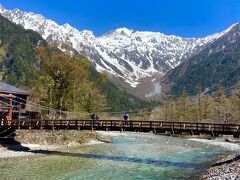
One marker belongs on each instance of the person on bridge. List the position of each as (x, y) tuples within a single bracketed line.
[(125, 116), (94, 116)]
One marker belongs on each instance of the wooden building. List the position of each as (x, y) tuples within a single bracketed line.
[(12, 101)]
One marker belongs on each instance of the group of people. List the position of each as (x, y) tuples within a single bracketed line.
[(96, 117), (6, 118)]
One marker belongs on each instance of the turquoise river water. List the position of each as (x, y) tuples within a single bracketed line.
[(130, 156)]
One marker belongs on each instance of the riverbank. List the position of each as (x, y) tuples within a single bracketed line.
[(226, 166), (32, 142)]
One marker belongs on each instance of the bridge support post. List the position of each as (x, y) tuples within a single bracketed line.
[(92, 124), (191, 132), (236, 135), (30, 124), (121, 128), (106, 126), (214, 134), (53, 125), (154, 130)]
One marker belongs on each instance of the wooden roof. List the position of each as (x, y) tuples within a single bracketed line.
[(9, 89)]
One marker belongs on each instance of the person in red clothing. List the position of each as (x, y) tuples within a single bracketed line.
[(8, 118)]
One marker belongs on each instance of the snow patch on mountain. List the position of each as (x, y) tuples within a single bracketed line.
[(125, 53)]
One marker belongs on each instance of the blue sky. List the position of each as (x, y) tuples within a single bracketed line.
[(188, 18)]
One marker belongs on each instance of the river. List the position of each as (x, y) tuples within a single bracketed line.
[(130, 156)]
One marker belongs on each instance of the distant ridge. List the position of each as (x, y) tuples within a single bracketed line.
[(127, 55)]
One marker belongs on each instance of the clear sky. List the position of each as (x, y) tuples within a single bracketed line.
[(188, 18)]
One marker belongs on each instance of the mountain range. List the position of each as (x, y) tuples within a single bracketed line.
[(216, 66), (145, 63), (20, 66)]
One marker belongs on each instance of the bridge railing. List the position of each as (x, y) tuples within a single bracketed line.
[(118, 124)]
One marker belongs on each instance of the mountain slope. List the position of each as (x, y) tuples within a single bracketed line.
[(122, 53), (118, 99), (18, 60), (216, 66), (21, 65)]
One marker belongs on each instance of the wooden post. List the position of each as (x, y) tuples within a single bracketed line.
[(92, 124), (106, 126), (53, 125), (120, 124), (10, 107), (19, 117), (30, 124), (76, 124)]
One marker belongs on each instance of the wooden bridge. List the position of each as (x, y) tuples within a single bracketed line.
[(118, 125)]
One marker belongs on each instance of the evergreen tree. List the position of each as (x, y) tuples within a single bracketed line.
[(236, 103), (207, 108), (222, 108)]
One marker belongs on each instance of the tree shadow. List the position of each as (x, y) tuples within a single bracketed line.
[(8, 141)]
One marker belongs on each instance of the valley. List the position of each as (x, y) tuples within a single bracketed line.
[(127, 55), (120, 89)]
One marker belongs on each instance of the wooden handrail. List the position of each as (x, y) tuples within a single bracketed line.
[(132, 125)]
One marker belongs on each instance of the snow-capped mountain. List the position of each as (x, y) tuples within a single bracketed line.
[(130, 55)]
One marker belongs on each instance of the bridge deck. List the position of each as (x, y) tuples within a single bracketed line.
[(144, 126)]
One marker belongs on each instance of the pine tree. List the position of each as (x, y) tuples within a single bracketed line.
[(182, 106), (236, 103), (223, 109)]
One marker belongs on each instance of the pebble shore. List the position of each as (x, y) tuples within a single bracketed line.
[(227, 168)]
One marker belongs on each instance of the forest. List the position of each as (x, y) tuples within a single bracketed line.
[(222, 106)]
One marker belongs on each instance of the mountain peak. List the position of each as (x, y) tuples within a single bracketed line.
[(16, 10), (124, 31), (235, 25), (66, 25), (2, 8), (125, 53)]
